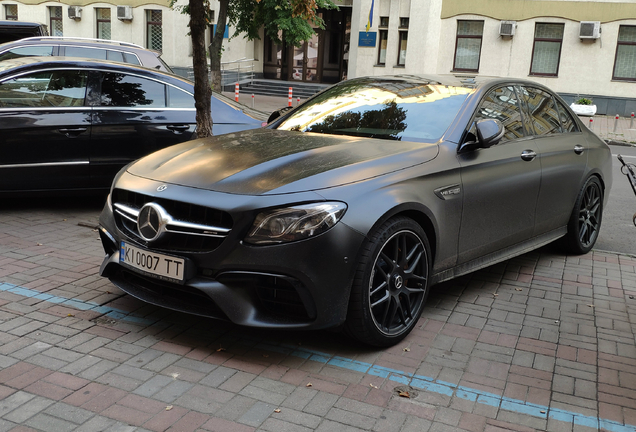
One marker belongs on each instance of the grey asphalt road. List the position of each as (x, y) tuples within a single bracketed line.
[(618, 233)]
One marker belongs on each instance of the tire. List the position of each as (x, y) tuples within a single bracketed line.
[(391, 283), (585, 221)]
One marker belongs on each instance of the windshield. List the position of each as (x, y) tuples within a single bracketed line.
[(394, 110)]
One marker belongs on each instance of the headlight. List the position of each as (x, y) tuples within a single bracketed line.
[(294, 223)]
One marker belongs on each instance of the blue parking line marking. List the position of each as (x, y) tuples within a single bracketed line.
[(416, 381), (75, 303)]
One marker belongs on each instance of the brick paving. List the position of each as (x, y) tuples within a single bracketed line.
[(540, 342)]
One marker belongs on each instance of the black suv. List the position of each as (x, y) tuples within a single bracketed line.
[(98, 49), (13, 30)]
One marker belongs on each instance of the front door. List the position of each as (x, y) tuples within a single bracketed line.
[(498, 213), (306, 61)]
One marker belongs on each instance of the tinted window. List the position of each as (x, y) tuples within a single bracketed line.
[(30, 51), (502, 104), (395, 110), (114, 56), (131, 91), (543, 111), (567, 122), (131, 58), (92, 53), (45, 89), (179, 99)]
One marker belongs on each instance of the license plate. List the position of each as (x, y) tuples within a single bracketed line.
[(152, 263)]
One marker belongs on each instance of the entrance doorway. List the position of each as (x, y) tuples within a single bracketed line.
[(305, 60), (321, 59)]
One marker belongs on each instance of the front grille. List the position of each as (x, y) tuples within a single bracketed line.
[(197, 228)]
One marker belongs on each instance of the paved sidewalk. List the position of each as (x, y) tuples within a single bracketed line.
[(609, 128), (540, 342)]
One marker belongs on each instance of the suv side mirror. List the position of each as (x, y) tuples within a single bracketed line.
[(489, 132), (279, 112)]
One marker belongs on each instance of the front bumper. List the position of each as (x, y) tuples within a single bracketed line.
[(299, 285)]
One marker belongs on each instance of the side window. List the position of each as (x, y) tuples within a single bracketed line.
[(179, 99), (543, 111), (28, 51), (502, 104), (123, 90), (44, 89), (567, 122), (131, 58), (114, 56), (92, 53)]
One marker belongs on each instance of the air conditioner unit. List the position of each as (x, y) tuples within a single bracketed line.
[(75, 12), (124, 13), (590, 30), (507, 28)]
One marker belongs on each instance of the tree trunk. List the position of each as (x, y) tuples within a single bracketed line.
[(216, 46), (202, 90)]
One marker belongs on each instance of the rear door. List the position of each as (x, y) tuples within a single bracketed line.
[(132, 117), (500, 184), (45, 131), (563, 157)]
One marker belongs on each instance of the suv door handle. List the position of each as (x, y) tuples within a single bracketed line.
[(578, 149), (178, 128), (528, 155), (72, 132)]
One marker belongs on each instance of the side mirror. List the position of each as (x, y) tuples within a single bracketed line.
[(489, 132), (279, 112)]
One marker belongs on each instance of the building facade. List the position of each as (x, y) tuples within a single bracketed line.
[(579, 48)]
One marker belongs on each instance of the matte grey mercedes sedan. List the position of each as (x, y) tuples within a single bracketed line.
[(344, 211)]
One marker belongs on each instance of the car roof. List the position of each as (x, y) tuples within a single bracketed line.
[(35, 63), (11, 23), (452, 80), (65, 40)]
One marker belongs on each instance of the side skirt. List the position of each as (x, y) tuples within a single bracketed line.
[(499, 256)]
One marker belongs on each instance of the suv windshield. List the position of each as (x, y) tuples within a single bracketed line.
[(394, 110)]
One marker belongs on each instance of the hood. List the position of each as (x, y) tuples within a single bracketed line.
[(267, 161)]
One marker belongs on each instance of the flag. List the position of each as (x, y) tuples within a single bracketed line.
[(370, 20)]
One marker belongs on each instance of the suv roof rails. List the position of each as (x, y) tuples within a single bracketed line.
[(62, 38)]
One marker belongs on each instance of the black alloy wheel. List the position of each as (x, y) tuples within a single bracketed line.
[(585, 221), (391, 285)]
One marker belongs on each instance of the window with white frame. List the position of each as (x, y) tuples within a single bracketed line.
[(55, 21), (403, 33), (154, 36), (383, 33), (468, 45), (103, 23), (546, 51), (11, 12), (625, 61)]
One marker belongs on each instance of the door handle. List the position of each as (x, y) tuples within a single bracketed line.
[(578, 149), (72, 132), (528, 155), (178, 128)]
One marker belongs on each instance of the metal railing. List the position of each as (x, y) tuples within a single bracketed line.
[(240, 70)]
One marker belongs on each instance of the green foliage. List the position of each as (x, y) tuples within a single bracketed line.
[(583, 101), (281, 20)]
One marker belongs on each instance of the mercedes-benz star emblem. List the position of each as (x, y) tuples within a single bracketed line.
[(151, 221)]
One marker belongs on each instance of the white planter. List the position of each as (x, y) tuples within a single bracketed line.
[(584, 110)]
